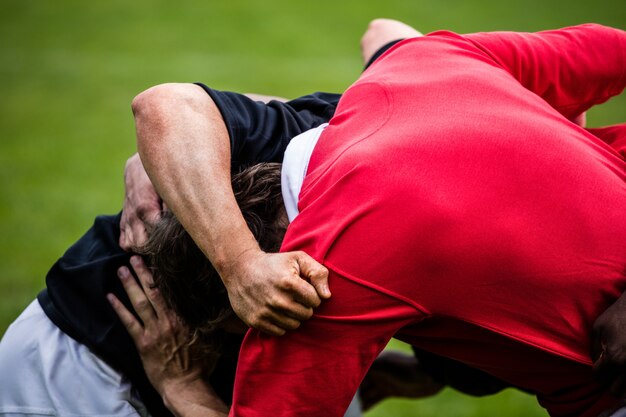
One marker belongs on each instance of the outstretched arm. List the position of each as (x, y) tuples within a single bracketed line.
[(186, 149), (573, 68)]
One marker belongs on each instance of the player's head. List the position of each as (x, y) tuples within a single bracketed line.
[(189, 282)]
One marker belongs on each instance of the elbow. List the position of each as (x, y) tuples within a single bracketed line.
[(141, 100), (164, 98), (161, 108), (154, 116), (155, 101)]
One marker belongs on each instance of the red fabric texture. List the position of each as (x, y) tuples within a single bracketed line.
[(459, 210)]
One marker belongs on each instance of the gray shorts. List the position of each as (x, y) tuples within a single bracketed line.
[(44, 372)]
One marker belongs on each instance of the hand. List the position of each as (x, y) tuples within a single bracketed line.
[(142, 205), (270, 292), (608, 347), (162, 340), (163, 345)]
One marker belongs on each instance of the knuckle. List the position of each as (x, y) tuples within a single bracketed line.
[(167, 328), (318, 275), (273, 301), (143, 345), (130, 325), (265, 314), (143, 304), (287, 283), (143, 211), (282, 305), (256, 320), (153, 292)]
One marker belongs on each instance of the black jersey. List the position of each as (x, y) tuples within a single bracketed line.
[(77, 284)]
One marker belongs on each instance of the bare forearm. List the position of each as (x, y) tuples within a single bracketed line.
[(184, 146), (199, 400)]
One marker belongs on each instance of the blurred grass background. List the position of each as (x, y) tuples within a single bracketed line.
[(69, 70)]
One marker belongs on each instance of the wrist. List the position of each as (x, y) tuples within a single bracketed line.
[(233, 254), (233, 263), (194, 394)]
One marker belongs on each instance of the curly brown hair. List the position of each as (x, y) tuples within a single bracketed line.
[(188, 281)]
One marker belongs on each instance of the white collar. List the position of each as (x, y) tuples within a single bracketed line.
[(295, 164)]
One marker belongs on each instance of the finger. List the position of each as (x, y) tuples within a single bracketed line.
[(125, 232), (286, 305), (154, 295), (270, 328), (137, 297), (304, 293), (295, 310), (123, 242), (274, 323), (129, 321), (147, 283), (145, 276), (139, 235), (283, 321), (315, 273)]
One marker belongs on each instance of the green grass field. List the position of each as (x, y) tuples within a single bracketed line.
[(69, 70)]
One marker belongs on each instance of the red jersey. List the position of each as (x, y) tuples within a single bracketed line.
[(458, 209)]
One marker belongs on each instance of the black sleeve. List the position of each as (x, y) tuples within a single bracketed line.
[(260, 132), (458, 375), (75, 301)]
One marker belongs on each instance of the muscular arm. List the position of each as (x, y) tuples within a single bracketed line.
[(185, 147), (142, 204)]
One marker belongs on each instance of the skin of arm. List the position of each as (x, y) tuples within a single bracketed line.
[(142, 204), (184, 146)]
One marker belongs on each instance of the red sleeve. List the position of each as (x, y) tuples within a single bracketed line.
[(613, 135), (572, 68), (315, 370)]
